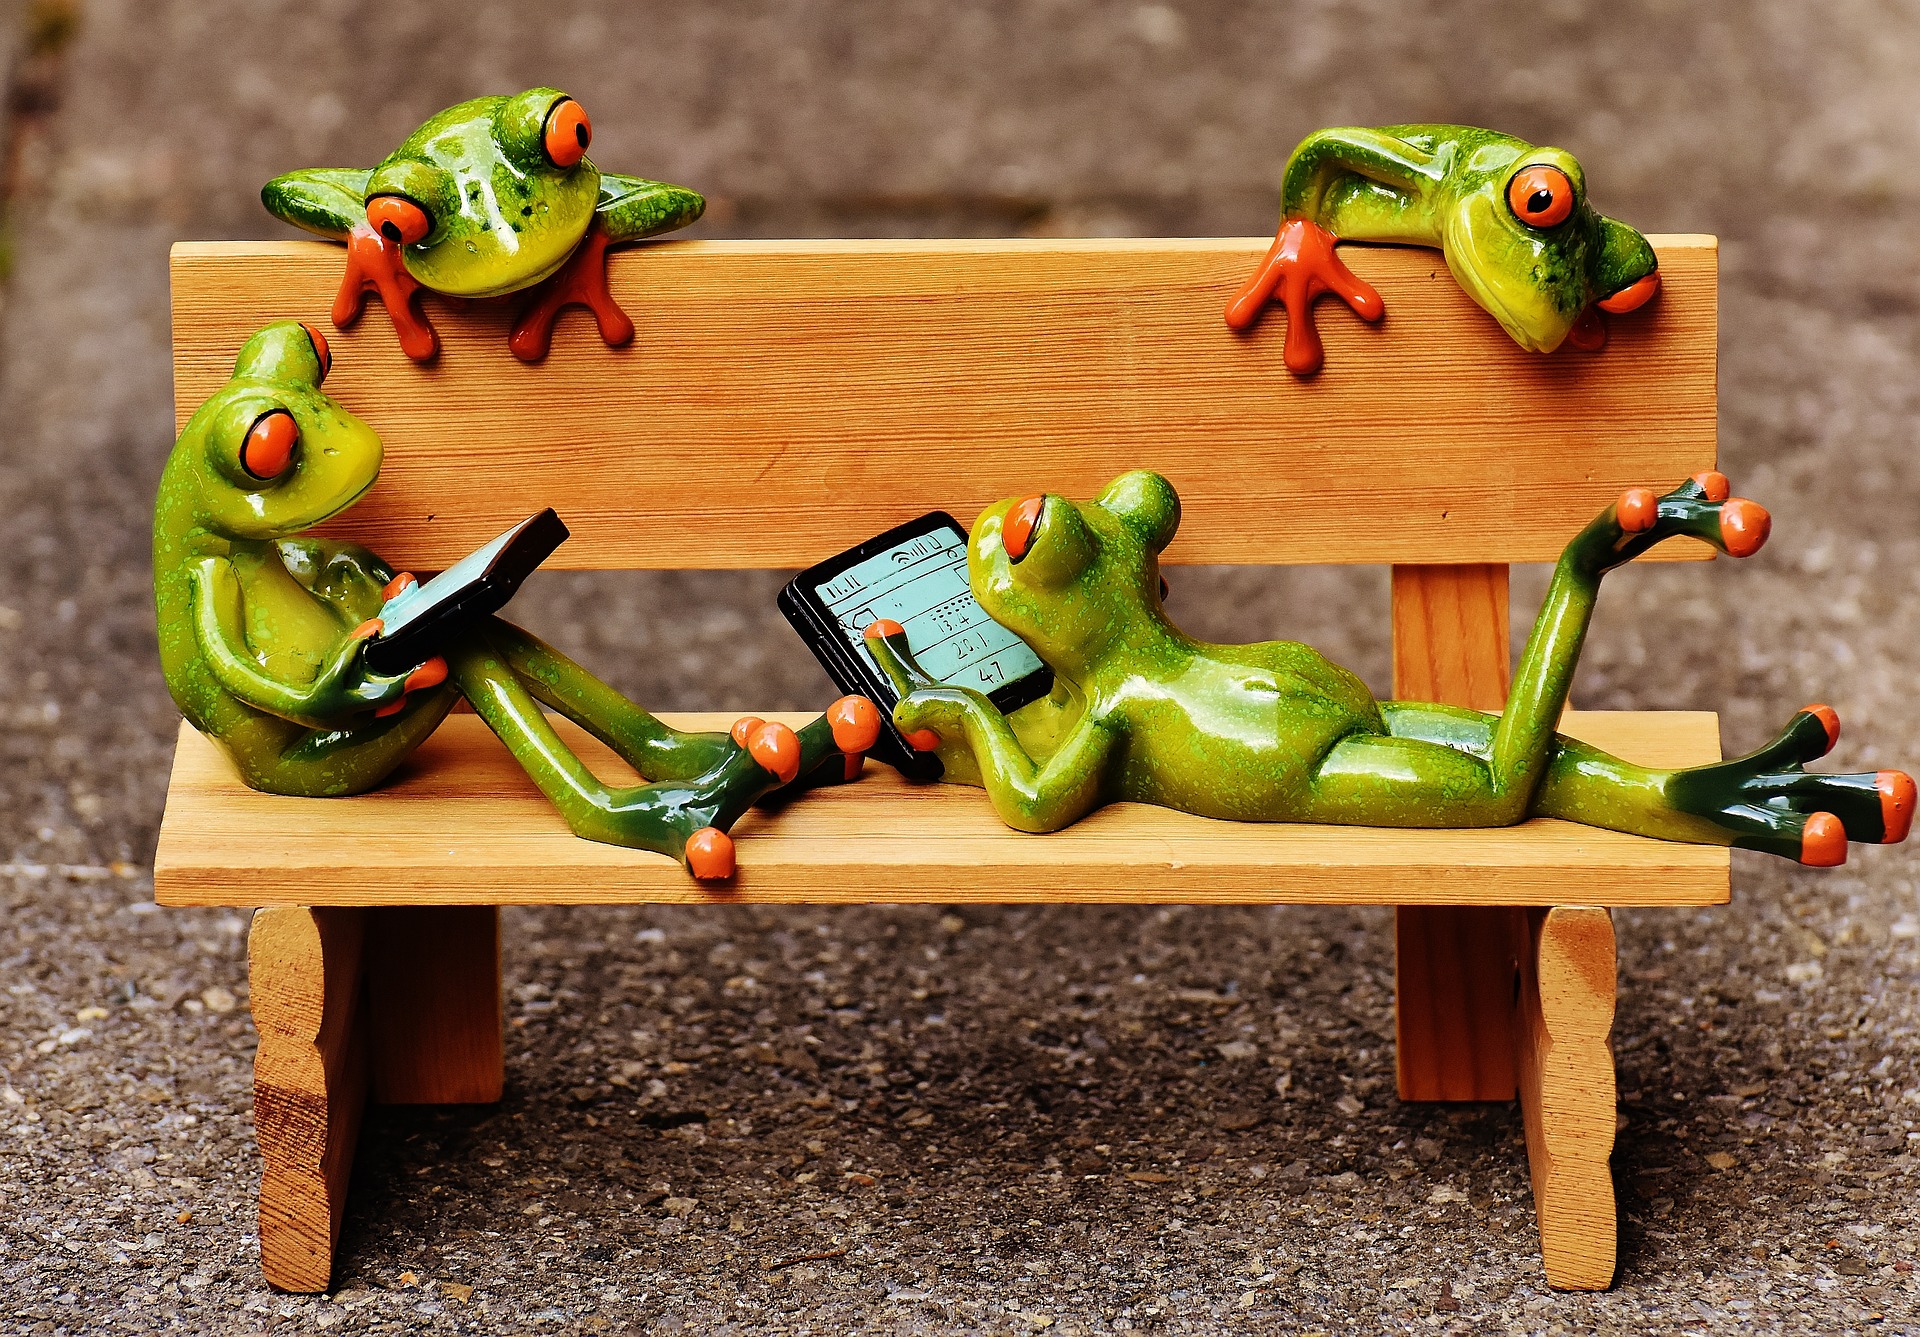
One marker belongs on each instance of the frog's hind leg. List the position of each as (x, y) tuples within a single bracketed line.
[(700, 784)]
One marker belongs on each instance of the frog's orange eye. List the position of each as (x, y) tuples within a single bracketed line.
[(320, 349), (399, 220), (1540, 196), (1016, 535), (268, 449), (568, 133)]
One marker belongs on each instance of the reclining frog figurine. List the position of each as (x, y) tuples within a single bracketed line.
[(1274, 732), (1511, 219), (262, 631), (489, 197)]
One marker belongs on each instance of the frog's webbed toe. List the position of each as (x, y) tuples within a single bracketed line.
[(374, 264), (581, 281), (1301, 266), (1770, 803)]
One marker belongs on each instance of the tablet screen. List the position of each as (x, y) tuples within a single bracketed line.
[(921, 583)]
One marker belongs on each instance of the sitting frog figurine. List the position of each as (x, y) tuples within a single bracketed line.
[(1511, 219), (490, 197), (262, 629), (1276, 733)]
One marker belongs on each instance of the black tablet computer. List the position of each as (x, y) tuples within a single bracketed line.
[(915, 574), (416, 622)]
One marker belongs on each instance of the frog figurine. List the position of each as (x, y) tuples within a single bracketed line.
[(1511, 219), (1274, 732), (262, 629), (490, 197)]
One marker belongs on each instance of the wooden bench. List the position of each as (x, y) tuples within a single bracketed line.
[(786, 399)]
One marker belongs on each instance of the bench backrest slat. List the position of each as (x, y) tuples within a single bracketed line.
[(785, 399)]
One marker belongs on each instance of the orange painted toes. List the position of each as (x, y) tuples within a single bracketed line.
[(856, 762), (399, 585), (743, 728), (1632, 297), (1714, 484), (710, 854), (884, 628), (922, 740), (1589, 332), (1896, 805), (1823, 841), (430, 674), (1829, 719), (777, 748), (373, 626), (855, 722), (1637, 509), (1744, 526)]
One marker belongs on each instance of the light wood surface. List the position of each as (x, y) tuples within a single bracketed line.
[(309, 1082), (784, 400), (435, 1013), (1453, 965), (1567, 1095), (462, 824)]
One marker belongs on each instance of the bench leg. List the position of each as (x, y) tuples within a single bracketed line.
[(435, 1011), (309, 1083), (1453, 1002), (1563, 1017)]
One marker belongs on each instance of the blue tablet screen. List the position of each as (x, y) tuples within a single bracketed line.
[(922, 585)]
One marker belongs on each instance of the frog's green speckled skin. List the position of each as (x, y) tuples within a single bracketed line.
[(1446, 186), (1275, 732), (256, 621), (503, 216)]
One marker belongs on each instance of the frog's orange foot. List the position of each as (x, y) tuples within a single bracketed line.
[(374, 264), (855, 722), (777, 749), (1896, 805), (1301, 266), (1589, 331), (709, 854), (581, 281), (1701, 507)]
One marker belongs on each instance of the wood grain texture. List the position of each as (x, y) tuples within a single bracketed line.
[(309, 1082), (1453, 965), (784, 400), (1567, 1096), (462, 823), (435, 1013)]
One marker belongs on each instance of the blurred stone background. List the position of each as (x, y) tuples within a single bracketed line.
[(1073, 1119)]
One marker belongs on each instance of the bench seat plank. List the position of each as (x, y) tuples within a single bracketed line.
[(461, 824)]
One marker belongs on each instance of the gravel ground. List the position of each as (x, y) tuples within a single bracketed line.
[(1001, 1120)]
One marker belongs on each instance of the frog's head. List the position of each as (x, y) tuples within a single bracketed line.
[(490, 196), (1073, 579), (270, 455), (1524, 242)]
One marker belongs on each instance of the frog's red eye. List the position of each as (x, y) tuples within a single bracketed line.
[(568, 133), (399, 220), (320, 349), (1540, 196), (268, 449), (1016, 535)]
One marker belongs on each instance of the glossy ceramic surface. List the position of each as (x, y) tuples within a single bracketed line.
[(1275, 732)]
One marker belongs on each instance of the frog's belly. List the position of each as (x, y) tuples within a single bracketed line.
[(1248, 765)]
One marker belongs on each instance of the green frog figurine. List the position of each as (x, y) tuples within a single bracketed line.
[(1511, 219), (487, 198), (262, 631), (1276, 733)]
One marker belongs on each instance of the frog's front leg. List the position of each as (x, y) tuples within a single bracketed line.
[(629, 209), (1027, 795), (1302, 264), (332, 202), (343, 688)]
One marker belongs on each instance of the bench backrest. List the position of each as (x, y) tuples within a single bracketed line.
[(783, 400)]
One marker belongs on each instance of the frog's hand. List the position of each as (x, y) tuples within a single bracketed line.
[(1300, 267), (632, 207), (329, 201), (374, 264), (1027, 796), (341, 689)]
